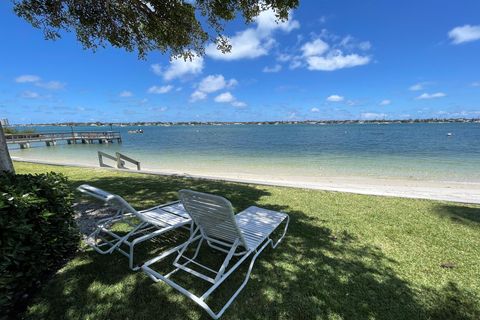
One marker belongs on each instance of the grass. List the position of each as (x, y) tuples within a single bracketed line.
[(345, 256)]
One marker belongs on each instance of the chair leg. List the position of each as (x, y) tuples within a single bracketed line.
[(240, 288), (144, 238), (155, 276), (119, 240), (222, 275), (274, 245)]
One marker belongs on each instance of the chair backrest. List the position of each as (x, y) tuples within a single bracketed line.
[(111, 200), (213, 214)]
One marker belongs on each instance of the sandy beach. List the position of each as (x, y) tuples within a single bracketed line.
[(464, 192)]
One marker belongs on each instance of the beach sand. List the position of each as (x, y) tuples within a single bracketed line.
[(465, 192)]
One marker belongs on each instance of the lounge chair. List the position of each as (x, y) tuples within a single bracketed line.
[(145, 224), (243, 235)]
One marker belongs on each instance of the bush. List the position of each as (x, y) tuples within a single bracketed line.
[(37, 233)]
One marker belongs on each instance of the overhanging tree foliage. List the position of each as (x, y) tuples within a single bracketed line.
[(178, 27)]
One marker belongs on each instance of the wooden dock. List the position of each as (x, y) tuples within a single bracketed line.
[(51, 138)]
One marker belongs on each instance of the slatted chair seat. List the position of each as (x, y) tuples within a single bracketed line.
[(150, 223), (257, 224), (165, 215)]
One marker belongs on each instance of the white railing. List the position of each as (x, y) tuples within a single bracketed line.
[(119, 160)]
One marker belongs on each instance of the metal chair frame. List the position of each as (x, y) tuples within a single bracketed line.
[(144, 227), (238, 248)]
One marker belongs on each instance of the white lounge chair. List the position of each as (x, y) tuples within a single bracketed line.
[(145, 224), (243, 235)]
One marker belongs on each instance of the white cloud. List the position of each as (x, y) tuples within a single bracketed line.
[(225, 97), (431, 95), (416, 87), (125, 94), (267, 22), (51, 85), (295, 63), (464, 34), (350, 43), (419, 86), (275, 68), (315, 110), (373, 116), (157, 69), (319, 55), (211, 84), (36, 80), (245, 45), (214, 83), (254, 42), (314, 48), (27, 78), (179, 67), (335, 98), (283, 57), (197, 95), (160, 89), (158, 109), (475, 84), (335, 61), (365, 45), (239, 104), (30, 95), (385, 102)]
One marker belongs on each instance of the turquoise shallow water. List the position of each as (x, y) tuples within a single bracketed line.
[(412, 151)]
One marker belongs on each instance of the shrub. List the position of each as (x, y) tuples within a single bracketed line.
[(37, 232)]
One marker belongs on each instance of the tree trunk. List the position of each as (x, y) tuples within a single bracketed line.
[(5, 160)]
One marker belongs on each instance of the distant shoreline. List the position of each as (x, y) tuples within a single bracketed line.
[(222, 123), (466, 192)]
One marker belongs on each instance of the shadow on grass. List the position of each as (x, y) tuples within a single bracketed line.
[(461, 214), (454, 303), (313, 274), (148, 190)]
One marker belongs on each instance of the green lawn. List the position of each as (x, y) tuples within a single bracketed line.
[(345, 256)]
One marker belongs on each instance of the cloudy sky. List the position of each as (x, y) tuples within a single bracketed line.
[(334, 59)]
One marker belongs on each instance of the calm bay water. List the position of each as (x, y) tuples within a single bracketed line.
[(412, 151)]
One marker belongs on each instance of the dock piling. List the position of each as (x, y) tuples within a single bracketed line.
[(24, 145)]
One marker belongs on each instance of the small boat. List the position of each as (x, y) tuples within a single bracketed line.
[(135, 131), (449, 134)]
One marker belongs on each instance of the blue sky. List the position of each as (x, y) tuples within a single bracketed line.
[(333, 59)]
